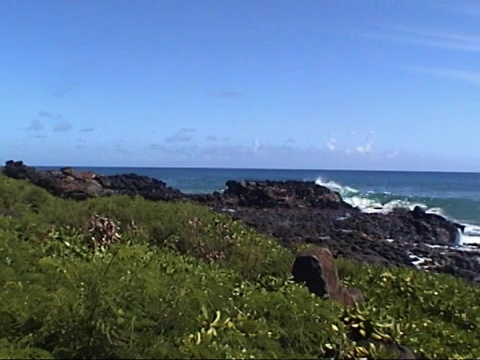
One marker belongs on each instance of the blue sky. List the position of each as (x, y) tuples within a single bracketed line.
[(324, 84)]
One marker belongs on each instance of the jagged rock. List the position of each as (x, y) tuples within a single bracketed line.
[(316, 267), (68, 183), (443, 230), (293, 212), (283, 194)]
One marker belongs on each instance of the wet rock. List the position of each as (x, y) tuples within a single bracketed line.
[(443, 230)]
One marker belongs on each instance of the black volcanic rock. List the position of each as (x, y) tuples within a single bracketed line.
[(293, 212), (68, 183), (283, 194), (445, 230)]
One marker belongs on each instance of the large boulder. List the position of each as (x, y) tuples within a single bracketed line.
[(316, 268), (443, 230)]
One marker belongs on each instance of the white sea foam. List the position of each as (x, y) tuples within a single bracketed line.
[(462, 248), (332, 185), (436, 210), (421, 262), (366, 205), (472, 230), (352, 196), (471, 235), (374, 206), (435, 246)]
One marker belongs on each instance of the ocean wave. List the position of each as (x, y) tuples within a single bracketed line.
[(371, 201), (385, 202), (344, 191), (471, 235), (370, 205)]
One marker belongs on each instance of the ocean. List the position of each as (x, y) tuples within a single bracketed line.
[(453, 195)]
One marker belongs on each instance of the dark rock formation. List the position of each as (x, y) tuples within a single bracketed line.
[(293, 212), (316, 267), (283, 194), (68, 183), (445, 231), (385, 239)]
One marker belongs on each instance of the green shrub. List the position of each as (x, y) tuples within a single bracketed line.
[(185, 282)]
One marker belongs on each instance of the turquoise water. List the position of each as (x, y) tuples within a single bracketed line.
[(455, 195)]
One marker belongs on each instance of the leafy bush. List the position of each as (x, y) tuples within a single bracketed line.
[(185, 282)]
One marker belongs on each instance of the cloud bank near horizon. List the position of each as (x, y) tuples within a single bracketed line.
[(373, 89)]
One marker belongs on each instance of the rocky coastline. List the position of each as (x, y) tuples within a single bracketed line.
[(293, 212)]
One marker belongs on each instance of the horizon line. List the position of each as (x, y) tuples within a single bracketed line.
[(248, 168)]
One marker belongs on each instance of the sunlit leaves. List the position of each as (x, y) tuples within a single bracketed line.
[(185, 282)]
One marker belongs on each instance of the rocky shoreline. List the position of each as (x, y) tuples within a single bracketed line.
[(293, 212)]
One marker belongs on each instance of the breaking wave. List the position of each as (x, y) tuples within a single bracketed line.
[(462, 210)]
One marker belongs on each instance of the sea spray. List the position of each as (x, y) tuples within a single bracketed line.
[(385, 202), (371, 201)]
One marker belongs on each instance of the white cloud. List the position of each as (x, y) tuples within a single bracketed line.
[(472, 77), (331, 144), (432, 38), (365, 148), (256, 145)]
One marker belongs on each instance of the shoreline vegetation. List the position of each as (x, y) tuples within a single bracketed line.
[(87, 271)]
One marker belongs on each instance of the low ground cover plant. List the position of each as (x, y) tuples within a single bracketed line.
[(181, 281)]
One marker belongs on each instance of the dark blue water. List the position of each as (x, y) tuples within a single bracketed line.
[(455, 195)]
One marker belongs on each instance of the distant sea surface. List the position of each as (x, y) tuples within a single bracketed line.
[(454, 195)]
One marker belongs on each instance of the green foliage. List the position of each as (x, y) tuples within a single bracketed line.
[(185, 282), (436, 314)]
